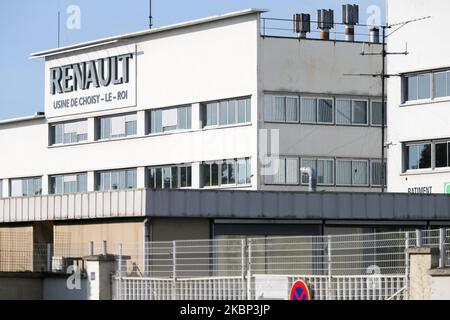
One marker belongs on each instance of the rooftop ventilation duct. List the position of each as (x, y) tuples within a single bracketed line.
[(312, 178), (374, 35), (350, 17), (325, 22), (302, 24)]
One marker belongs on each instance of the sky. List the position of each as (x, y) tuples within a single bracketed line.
[(28, 26)]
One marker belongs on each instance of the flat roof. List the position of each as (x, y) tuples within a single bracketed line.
[(118, 38), (37, 116)]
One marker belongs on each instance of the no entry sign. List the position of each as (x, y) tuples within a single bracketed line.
[(300, 291)]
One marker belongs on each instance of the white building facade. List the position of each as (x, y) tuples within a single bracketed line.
[(419, 98), (195, 105)]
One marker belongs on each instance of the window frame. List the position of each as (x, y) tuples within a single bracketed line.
[(54, 125), (317, 98), (219, 164), (150, 117), (111, 138), (371, 113), (367, 173), (125, 170), (51, 191), (367, 113), (284, 158), (204, 112), (316, 160), (405, 152), (371, 173)]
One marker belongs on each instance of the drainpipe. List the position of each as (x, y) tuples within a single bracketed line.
[(312, 179)]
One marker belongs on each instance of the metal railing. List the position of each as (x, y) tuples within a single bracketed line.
[(280, 27)]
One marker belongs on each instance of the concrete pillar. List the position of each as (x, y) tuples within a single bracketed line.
[(45, 184), (142, 126), (100, 269), (196, 117), (91, 130), (421, 260), (197, 175), (91, 181), (141, 179)]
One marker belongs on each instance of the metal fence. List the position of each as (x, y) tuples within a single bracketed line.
[(336, 267)]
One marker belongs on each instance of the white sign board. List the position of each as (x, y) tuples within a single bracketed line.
[(88, 82)]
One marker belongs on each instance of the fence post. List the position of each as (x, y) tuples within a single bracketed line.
[(329, 287), (49, 257), (249, 269), (406, 265), (174, 270), (419, 241), (441, 248), (119, 273), (91, 248)]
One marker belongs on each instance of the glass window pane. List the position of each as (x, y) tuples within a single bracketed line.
[(376, 173), (232, 113), (343, 172), (242, 175), (325, 111), (224, 174), (167, 177), (360, 112), (292, 171), (231, 172), (448, 83), (419, 156), (214, 174), (280, 176), (279, 110), (359, 172), (181, 118), (131, 128), (424, 86), (174, 177), (376, 113), (412, 87), (441, 155), (211, 114), (82, 182), (440, 84), (206, 175), (308, 163), (151, 178), (343, 111), (325, 172), (158, 178), (308, 110), (189, 176), (223, 113), (291, 109), (58, 133), (249, 171), (131, 179), (248, 107), (241, 111)]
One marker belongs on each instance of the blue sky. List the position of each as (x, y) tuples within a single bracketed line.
[(28, 26)]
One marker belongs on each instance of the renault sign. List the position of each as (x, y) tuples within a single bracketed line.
[(89, 82)]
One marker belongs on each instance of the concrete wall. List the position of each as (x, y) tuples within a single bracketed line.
[(317, 68), (20, 287), (163, 229), (55, 288), (416, 120)]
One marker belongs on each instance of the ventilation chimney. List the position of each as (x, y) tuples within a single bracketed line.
[(302, 24), (350, 17), (325, 22), (374, 35)]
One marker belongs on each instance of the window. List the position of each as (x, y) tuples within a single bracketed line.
[(26, 187), (226, 112), (442, 154), (170, 177), (1, 188), (352, 172), (281, 109), (324, 170), (118, 126), (228, 172), (287, 174), (70, 132), (418, 156), (316, 110), (376, 114), (440, 84), (417, 87), (116, 179), (351, 111), (376, 173), (164, 120), (68, 183)]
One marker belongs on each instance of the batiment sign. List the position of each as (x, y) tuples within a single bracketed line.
[(94, 81)]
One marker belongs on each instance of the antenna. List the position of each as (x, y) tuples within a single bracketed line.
[(383, 77), (59, 28), (150, 17)]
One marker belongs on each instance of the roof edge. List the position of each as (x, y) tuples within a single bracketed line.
[(136, 34), (37, 116)]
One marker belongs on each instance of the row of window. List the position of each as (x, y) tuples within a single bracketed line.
[(427, 155), (426, 85), (329, 172), (219, 113), (227, 173), (317, 110)]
